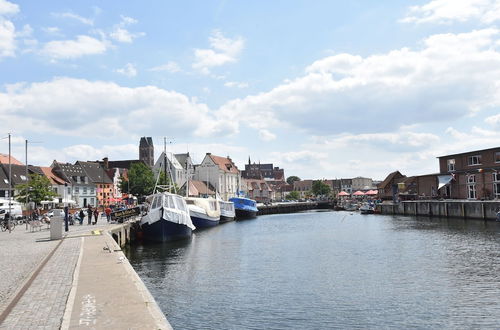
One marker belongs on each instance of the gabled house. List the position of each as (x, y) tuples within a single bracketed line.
[(168, 163), (17, 176), (99, 177), (221, 173), (388, 189), (82, 188), (259, 190)]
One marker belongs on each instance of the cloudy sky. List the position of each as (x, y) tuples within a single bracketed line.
[(323, 89)]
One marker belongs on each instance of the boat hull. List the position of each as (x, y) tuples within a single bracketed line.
[(225, 218), (165, 231), (201, 222), (245, 214)]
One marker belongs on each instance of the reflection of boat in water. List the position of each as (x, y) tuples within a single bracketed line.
[(245, 208), (227, 212), (367, 208), (167, 218), (204, 212)]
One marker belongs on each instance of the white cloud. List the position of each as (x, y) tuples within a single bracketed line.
[(7, 38), (121, 34), (170, 66), (448, 11), (267, 136), (69, 49), (81, 19), (128, 70), (52, 30), (493, 120), (223, 50), (8, 8), (236, 84), (78, 107), (452, 76)]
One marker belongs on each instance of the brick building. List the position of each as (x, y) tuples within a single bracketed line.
[(471, 175)]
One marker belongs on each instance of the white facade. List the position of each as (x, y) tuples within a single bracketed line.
[(221, 174), (175, 170)]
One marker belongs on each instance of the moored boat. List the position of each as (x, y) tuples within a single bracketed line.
[(367, 208), (245, 208), (167, 218), (204, 212), (227, 212)]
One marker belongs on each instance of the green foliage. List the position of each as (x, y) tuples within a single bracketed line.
[(292, 179), (293, 195), (319, 188), (165, 181), (141, 181), (37, 189)]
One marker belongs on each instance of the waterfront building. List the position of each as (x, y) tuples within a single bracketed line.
[(389, 189), (258, 190), (58, 184), (260, 171), (199, 189), (82, 188), (471, 175), (147, 151), (361, 183), (303, 187), (18, 176), (99, 177), (221, 173), (179, 167)]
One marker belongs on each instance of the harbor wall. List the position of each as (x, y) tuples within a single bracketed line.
[(291, 207), (484, 210)]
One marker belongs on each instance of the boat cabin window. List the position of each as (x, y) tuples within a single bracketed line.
[(156, 202), (169, 203), (180, 204), (189, 202)]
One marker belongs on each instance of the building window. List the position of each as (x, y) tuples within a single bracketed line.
[(497, 157), (451, 165), (77, 190), (92, 191), (471, 187), (496, 185), (474, 160), (85, 190)]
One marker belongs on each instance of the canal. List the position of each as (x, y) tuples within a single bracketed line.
[(320, 270)]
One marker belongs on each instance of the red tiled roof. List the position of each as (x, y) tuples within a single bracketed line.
[(4, 159), (225, 164), (54, 179)]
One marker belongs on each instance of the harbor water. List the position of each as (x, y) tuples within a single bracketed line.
[(323, 270)]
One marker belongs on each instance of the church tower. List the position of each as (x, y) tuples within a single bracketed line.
[(147, 151)]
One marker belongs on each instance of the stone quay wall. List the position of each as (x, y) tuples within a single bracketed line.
[(484, 210)]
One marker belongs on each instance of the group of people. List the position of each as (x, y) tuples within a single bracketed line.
[(92, 212)]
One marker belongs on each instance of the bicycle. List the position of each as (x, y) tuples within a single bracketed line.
[(4, 225)]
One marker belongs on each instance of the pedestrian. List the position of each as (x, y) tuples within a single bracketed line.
[(108, 213), (82, 215), (90, 212), (96, 215)]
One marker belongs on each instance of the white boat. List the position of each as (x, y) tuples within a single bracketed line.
[(367, 208), (227, 212), (167, 218), (204, 212)]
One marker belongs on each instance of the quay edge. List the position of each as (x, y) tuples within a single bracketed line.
[(463, 209)]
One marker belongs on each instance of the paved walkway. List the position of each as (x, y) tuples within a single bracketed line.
[(86, 283)]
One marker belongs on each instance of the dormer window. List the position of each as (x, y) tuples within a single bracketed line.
[(451, 165)]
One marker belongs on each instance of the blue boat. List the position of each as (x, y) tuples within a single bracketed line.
[(245, 208), (167, 218)]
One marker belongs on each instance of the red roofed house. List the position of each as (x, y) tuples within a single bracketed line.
[(221, 173), (4, 159), (259, 190)]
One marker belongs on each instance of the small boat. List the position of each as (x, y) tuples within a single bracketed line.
[(167, 218), (245, 208), (204, 212), (227, 212), (367, 208)]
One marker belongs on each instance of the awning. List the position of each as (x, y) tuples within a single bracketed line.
[(444, 180)]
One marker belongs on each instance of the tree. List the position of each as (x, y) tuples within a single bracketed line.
[(293, 195), (37, 189), (292, 179), (319, 188), (141, 180)]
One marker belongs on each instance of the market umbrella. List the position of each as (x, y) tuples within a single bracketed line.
[(358, 193), (343, 193)]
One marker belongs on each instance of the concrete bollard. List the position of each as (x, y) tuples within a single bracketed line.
[(56, 226)]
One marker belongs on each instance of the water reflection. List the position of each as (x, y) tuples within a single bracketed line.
[(328, 270)]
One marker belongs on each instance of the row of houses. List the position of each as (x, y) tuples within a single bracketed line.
[(337, 185), (472, 175)]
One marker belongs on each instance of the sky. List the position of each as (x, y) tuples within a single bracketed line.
[(324, 89)]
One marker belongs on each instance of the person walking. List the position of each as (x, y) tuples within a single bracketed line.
[(82, 215), (108, 213), (96, 215), (89, 214)]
